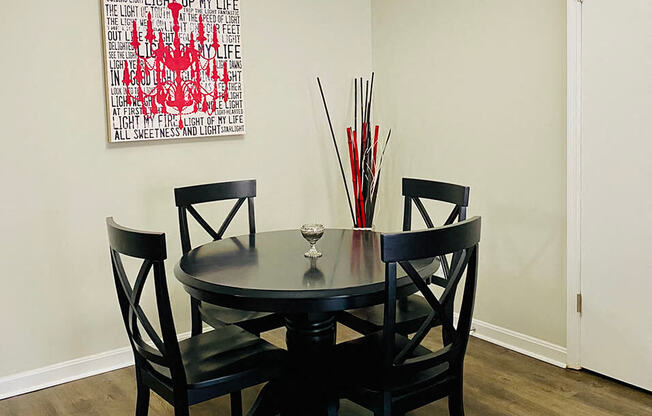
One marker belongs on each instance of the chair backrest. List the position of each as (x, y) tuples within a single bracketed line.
[(416, 189), (188, 196), (150, 247), (462, 238)]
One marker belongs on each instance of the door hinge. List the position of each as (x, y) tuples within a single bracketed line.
[(579, 303)]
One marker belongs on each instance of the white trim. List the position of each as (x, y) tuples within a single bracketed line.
[(524, 344), (521, 343), (68, 371), (65, 372), (80, 368), (573, 181)]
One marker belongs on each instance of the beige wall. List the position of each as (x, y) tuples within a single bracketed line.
[(475, 91), (60, 178)]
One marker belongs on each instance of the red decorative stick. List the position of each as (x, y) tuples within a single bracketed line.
[(358, 195), (354, 177), (363, 157)]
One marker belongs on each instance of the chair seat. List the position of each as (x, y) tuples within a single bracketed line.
[(360, 369), (410, 314), (255, 322), (228, 354)]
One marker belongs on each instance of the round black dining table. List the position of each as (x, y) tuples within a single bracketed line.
[(268, 272)]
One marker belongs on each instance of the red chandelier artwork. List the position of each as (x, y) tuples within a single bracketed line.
[(186, 81)]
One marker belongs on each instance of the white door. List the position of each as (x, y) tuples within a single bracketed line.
[(616, 183)]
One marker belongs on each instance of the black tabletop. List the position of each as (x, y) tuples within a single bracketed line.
[(268, 272)]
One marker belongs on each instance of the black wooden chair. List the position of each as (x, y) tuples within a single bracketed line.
[(200, 368), (241, 191), (390, 373), (413, 310)]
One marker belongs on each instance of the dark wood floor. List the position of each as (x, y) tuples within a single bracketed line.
[(497, 382)]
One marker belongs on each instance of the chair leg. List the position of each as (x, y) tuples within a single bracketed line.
[(387, 406), (181, 407), (333, 408), (456, 399), (142, 400), (181, 410), (195, 317), (236, 403)]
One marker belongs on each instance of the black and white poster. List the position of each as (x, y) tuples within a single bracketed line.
[(173, 69)]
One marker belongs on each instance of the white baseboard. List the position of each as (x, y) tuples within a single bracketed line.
[(65, 372), (68, 371), (72, 370), (515, 341), (524, 344)]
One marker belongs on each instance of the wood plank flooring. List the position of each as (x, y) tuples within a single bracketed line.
[(497, 382)]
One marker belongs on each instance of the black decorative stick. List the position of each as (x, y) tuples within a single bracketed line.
[(366, 188), (363, 149), (361, 106), (373, 198), (371, 93), (339, 159)]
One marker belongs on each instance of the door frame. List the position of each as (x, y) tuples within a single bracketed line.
[(573, 181)]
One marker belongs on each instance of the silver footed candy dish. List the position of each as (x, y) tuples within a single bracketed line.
[(312, 233)]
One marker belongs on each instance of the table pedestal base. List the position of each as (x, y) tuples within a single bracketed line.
[(309, 388), (310, 339), (310, 334)]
